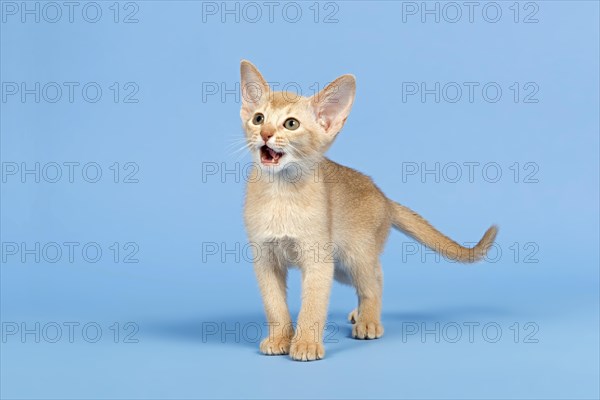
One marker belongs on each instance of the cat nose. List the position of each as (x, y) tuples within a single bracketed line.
[(266, 134)]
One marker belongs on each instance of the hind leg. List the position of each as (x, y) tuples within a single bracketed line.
[(368, 281)]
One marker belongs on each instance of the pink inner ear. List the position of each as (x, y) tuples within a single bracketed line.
[(324, 120), (332, 105), (252, 93), (324, 104)]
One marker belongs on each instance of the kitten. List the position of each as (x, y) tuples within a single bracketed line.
[(329, 220)]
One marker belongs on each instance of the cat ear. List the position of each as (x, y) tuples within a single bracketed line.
[(332, 105), (254, 89)]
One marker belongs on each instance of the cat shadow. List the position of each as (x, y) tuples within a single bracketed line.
[(395, 323), (247, 330), (446, 315), (231, 330)]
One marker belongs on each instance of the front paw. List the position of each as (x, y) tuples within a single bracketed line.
[(306, 350), (274, 346), (367, 330)]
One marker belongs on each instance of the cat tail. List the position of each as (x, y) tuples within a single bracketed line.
[(418, 228)]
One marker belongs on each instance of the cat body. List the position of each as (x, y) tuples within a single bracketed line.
[(329, 220)]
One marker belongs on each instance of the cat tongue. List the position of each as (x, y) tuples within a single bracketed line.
[(273, 153)]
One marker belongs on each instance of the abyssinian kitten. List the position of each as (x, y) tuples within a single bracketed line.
[(331, 225)]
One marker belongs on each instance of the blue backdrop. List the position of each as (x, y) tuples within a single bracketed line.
[(125, 269)]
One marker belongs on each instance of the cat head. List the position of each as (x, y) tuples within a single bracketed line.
[(286, 129)]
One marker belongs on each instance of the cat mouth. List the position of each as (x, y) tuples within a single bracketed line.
[(268, 156)]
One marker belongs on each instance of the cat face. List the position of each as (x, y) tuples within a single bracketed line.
[(285, 129)]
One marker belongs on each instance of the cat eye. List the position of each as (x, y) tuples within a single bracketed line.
[(258, 119), (291, 124)]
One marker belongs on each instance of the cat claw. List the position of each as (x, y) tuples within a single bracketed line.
[(353, 316), (367, 330), (275, 346), (303, 350)]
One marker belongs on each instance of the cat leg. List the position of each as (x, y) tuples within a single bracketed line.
[(368, 281), (317, 278), (271, 276)]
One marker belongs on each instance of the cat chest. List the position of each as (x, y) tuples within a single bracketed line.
[(273, 218)]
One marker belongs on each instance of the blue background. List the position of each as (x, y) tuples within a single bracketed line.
[(177, 291)]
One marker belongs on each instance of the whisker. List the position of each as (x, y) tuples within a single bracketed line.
[(245, 146), (297, 150), (240, 152), (237, 141)]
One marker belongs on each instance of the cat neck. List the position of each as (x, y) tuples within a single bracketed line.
[(294, 178)]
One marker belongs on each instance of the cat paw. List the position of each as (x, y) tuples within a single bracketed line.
[(353, 316), (275, 346), (367, 330), (304, 350)]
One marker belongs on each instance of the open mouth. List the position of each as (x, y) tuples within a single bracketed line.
[(268, 156)]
